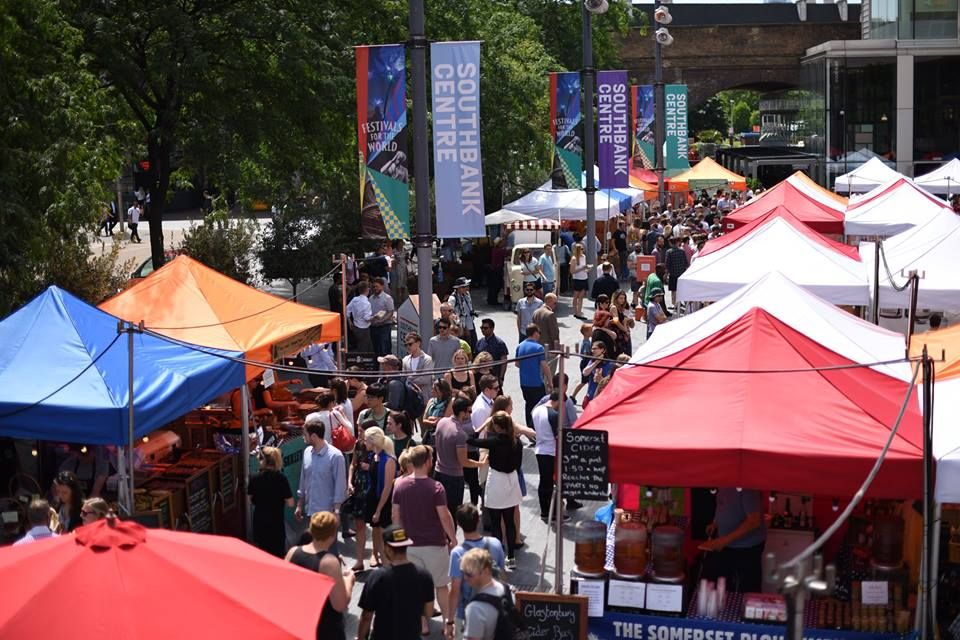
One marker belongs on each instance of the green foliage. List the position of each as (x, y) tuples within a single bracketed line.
[(710, 115), (91, 277), (740, 117), (58, 148), (228, 250), (748, 96), (710, 135), (755, 118)]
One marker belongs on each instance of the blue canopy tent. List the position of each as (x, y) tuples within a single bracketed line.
[(65, 375)]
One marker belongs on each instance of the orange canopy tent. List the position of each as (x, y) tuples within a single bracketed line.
[(707, 174), (189, 301)]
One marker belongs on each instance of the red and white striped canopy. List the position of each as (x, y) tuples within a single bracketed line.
[(538, 224)]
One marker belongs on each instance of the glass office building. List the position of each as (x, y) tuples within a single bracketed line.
[(894, 94)]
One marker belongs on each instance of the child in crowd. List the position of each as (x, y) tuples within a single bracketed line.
[(586, 330)]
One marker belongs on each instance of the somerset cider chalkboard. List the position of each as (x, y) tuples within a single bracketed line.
[(199, 509), (586, 464), (549, 616)]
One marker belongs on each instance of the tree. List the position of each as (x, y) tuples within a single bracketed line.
[(710, 116), (740, 117), (59, 146), (228, 250), (236, 89)]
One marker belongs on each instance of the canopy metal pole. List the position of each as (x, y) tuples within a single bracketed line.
[(343, 314), (876, 281), (558, 500), (129, 328), (927, 576), (245, 458)]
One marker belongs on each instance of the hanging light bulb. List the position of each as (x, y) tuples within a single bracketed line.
[(836, 505), (34, 453), (649, 492), (739, 489), (713, 492), (773, 496), (83, 449), (146, 438)]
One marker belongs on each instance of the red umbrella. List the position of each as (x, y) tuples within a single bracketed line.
[(115, 579)]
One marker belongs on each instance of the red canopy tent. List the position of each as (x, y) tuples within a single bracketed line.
[(714, 424), (818, 214), (120, 580)]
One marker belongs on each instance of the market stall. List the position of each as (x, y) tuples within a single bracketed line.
[(192, 303), (777, 241), (870, 175), (944, 180), (772, 391), (707, 174), (570, 204), (891, 208), (931, 249), (820, 213), (66, 376)]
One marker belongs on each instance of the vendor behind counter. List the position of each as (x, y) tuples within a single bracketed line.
[(737, 550)]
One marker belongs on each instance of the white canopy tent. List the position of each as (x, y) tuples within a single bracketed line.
[(781, 243), (931, 249), (944, 180), (570, 204), (505, 216), (871, 174), (946, 440), (891, 208)]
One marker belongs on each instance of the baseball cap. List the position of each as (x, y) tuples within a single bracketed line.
[(389, 359), (395, 536)]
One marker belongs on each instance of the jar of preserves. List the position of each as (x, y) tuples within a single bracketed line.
[(590, 547), (630, 547)]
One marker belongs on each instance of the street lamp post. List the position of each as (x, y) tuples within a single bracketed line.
[(422, 239), (661, 16), (587, 79)]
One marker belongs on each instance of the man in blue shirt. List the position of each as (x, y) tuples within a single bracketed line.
[(323, 477), (534, 372), (737, 549), (493, 345)]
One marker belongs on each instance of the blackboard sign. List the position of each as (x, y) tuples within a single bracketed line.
[(549, 616), (361, 360), (228, 483), (149, 519), (586, 464), (198, 504)]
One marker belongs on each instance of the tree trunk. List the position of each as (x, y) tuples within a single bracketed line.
[(293, 285), (158, 152)]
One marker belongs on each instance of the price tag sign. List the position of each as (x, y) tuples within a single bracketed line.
[(665, 597), (627, 594), (593, 590), (269, 377), (875, 592)]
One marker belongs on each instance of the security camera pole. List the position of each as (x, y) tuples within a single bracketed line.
[(587, 79), (422, 239), (660, 109)]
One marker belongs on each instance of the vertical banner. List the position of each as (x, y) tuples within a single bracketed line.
[(613, 129), (458, 176), (675, 108), (565, 120), (382, 141), (644, 140)]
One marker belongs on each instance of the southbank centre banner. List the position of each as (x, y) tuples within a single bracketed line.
[(458, 175), (677, 137), (382, 141), (565, 118), (644, 141), (613, 129)]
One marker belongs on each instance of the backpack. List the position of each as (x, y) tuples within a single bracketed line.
[(510, 624), (413, 404)]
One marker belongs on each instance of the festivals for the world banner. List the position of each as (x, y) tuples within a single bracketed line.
[(565, 117), (382, 141)]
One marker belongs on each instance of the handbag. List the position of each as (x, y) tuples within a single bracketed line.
[(340, 436)]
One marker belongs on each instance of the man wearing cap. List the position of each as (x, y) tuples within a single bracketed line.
[(463, 308), (655, 311), (398, 598), (381, 322), (396, 388)]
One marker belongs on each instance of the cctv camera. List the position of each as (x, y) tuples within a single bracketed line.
[(596, 6), (663, 36), (662, 16)]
